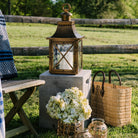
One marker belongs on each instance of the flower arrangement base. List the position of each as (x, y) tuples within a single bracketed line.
[(68, 130)]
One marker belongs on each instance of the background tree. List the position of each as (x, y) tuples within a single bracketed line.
[(57, 8), (32, 8), (91, 8), (96, 9), (3, 6)]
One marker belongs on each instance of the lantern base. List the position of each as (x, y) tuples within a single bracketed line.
[(58, 83)]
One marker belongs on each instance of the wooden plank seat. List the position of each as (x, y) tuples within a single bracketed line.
[(10, 87)]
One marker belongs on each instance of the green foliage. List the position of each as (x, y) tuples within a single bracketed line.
[(125, 9), (57, 8), (31, 8), (4, 6), (96, 9)]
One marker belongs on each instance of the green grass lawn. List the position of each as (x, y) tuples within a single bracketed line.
[(125, 64), (31, 34)]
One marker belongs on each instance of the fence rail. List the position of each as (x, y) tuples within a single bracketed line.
[(51, 20), (101, 49)]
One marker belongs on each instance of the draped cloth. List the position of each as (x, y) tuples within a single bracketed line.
[(7, 67), (2, 121)]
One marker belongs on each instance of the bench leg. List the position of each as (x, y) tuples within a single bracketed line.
[(18, 109)]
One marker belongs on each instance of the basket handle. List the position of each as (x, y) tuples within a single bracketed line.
[(102, 91), (116, 74)]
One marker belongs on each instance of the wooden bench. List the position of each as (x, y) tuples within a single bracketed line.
[(10, 87)]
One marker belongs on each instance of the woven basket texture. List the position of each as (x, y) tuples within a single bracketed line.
[(115, 106), (68, 130)]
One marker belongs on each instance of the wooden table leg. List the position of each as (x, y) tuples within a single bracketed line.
[(18, 109)]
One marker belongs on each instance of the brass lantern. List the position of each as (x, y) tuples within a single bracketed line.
[(65, 46)]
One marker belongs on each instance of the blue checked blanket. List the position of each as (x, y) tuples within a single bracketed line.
[(7, 67)]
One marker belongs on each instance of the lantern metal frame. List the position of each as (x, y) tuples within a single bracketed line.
[(66, 34)]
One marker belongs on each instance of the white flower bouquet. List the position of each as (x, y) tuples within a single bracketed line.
[(70, 106)]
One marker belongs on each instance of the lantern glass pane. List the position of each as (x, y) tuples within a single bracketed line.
[(80, 54), (63, 56)]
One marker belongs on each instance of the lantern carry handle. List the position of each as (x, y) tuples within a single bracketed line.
[(64, 9)]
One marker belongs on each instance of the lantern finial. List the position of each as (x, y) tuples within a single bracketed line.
[(66, 15)]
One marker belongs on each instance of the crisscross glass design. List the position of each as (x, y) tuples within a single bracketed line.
[(63, 56)]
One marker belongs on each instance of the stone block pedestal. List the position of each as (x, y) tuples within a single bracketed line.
[(58, 83)]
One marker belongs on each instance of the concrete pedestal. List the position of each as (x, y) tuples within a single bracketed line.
[(58, 83)]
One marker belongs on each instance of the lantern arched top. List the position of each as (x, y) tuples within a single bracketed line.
[(66, 27)]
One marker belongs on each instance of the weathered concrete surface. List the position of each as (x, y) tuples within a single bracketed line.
[(58, 83), (99, 49), (52, 20)]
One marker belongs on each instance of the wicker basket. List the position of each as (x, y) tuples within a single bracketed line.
[(111, 102), (67, 130)]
